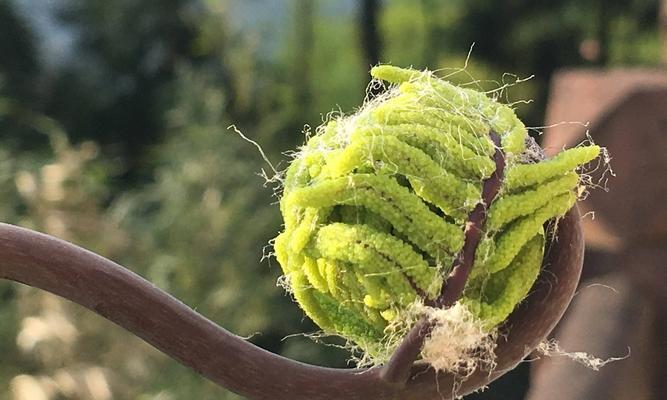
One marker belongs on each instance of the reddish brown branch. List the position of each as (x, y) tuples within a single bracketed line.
[(397, 370), (137, 305), (452, 289), (140, 307)]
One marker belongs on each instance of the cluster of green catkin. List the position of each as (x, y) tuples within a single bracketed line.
[(375, 208)]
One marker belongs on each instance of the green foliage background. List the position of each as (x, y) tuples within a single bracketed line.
[(118, 141)]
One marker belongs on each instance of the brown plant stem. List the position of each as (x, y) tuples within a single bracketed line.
[(397, 370), (140, 307), (452, 289)]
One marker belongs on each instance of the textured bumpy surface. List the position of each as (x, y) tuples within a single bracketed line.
[(376, 205)]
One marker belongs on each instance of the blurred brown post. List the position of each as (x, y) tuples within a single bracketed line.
[(626, 238)]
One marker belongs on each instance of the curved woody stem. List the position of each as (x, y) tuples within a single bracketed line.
[(397, 370), (140, 307)]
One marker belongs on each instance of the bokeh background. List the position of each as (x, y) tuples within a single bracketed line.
[(113, 135)]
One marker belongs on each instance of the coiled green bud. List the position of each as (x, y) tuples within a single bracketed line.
[(376, 206)]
